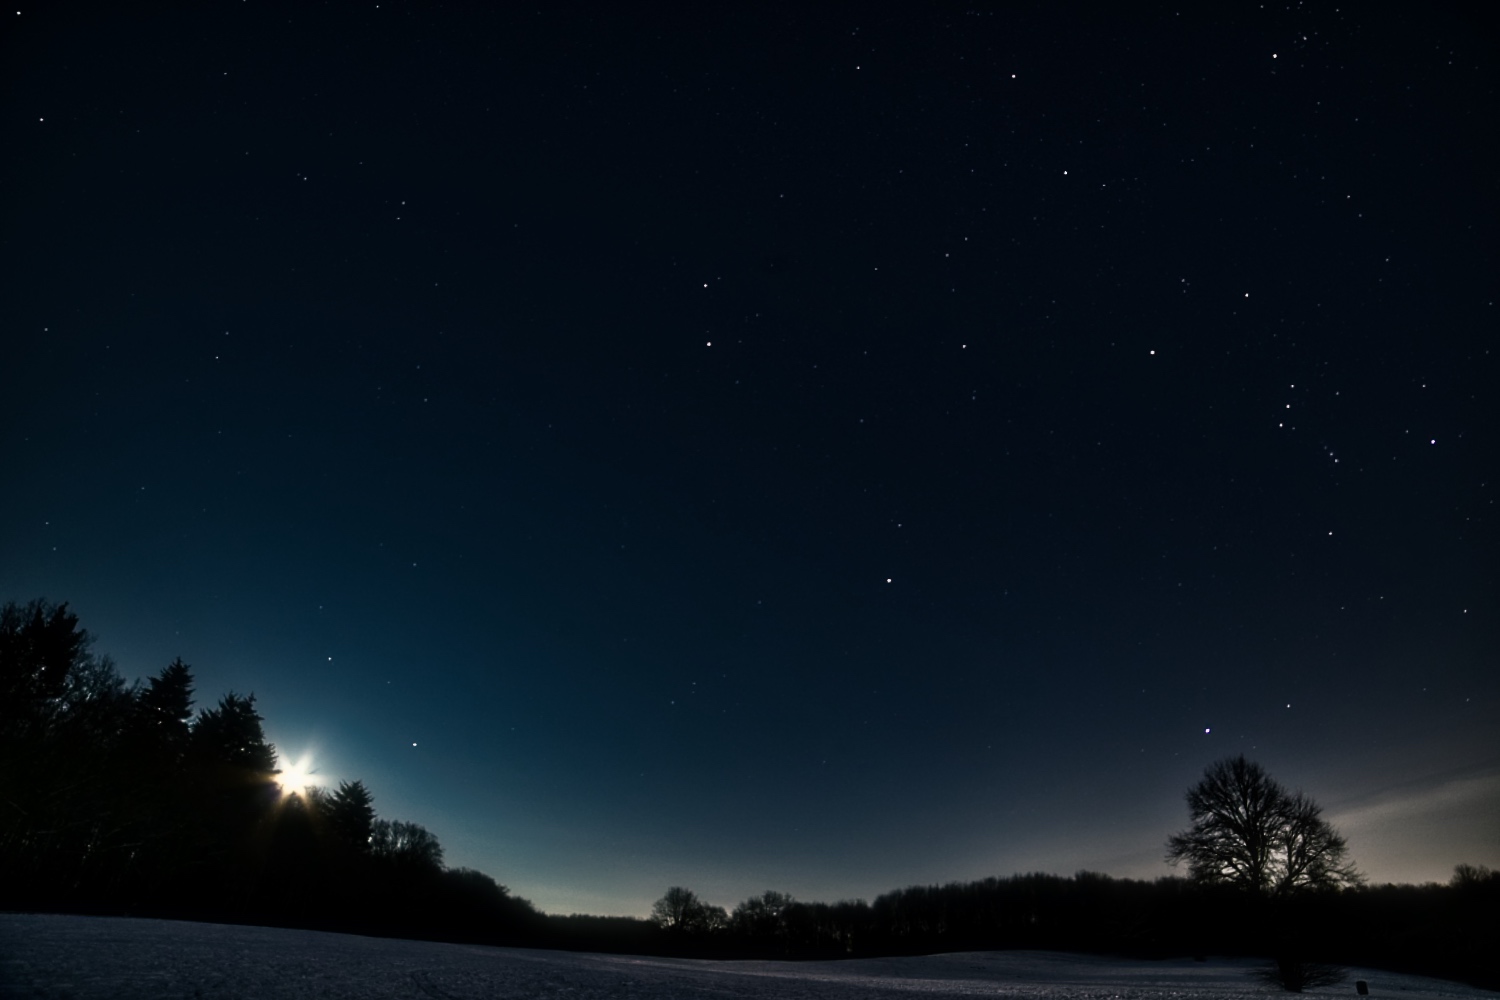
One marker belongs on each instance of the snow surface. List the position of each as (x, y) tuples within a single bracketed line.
[(123, 959)]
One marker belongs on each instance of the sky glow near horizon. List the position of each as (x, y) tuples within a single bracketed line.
[(651, 452)]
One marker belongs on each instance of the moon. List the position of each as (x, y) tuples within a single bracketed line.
[(295, 778)]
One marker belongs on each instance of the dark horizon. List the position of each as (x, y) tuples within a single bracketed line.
[(700, 450), (122, 800)]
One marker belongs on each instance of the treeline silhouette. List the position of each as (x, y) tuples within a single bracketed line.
[(1446, 930), (124, 799), (119, 798)]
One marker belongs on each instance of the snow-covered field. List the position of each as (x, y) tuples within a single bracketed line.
[(122, 959)]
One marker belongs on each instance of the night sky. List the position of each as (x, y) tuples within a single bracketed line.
[(751, 448)]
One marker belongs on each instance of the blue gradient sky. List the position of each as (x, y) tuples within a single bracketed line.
[(814, 452)]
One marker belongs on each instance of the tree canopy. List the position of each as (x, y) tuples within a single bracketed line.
[(681, 911), (1248, 831), (121, 797)]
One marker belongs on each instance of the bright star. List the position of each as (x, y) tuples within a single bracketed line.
[(295, 778)]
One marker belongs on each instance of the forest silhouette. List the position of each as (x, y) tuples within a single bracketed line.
[(123, 799)]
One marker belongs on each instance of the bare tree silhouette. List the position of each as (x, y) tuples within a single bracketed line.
[(1250, 832)]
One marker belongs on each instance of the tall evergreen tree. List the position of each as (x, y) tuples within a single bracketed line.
[(350, 815), (230, 736), (164, 810), (40, 645), (163, 714), (231, 776)]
